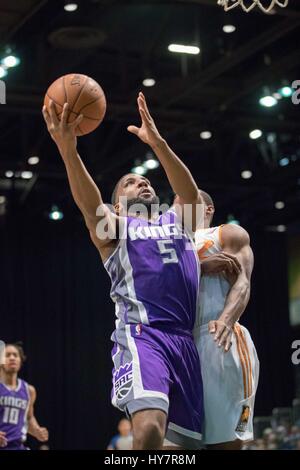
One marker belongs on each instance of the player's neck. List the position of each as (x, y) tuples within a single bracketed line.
[(11, 380), (150, 217)]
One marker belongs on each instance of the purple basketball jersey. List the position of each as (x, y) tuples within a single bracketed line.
[(13, 412), (155, 274)]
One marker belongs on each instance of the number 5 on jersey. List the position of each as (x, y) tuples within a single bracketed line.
[(168, 254)]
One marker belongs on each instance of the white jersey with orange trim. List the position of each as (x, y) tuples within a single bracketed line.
[(229, 379), (213, 288)]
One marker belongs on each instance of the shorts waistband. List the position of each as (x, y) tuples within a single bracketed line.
[(202, 329), (167, 329)]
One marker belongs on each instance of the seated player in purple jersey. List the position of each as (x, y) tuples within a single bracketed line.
[(155, 275), (17, 400)]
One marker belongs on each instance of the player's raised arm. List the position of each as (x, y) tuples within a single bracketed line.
[(84, 190), (178, 174)]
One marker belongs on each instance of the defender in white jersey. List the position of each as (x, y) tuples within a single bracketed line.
[(229, 362)]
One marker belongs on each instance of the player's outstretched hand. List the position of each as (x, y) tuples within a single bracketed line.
[(62, 132), (148, 132)]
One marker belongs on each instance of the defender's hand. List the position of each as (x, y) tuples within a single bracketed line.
[(148, 132), (222, 334), (219, 262)]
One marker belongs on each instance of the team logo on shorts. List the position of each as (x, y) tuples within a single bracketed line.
[(123, 381), (243, 422)]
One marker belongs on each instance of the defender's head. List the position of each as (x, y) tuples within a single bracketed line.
[(137, 189), (14, 358), (209, 207)]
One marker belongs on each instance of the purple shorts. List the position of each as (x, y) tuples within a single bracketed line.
[(14, 445), (160, 369)]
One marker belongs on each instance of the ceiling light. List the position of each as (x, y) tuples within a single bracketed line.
[(256, 134), (33, 160), (148, 82), (26, 175), (139, 170), (151, 164), (184, 49), (205, 135), (10, 61), (246, 174), (70, 6), (268, 101), (55, 214), (229, 28), (279, 205), (286, 91), (9, 174), (284, 161)]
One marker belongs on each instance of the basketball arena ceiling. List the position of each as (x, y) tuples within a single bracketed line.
[(120, 43)]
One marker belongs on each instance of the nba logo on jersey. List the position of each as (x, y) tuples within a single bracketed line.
[(123, 381)]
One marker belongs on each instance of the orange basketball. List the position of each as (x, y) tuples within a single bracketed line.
[(84, 96)]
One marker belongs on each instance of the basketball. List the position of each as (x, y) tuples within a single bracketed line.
[(84, 96)]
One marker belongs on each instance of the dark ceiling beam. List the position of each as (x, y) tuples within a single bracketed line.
[(24, 19), (123, 113), (240, 55), (282, 66)]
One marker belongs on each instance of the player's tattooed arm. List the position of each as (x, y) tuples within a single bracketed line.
[(179, 176), (236, 241)]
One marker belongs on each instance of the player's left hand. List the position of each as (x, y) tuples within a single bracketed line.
[(222, 334), (42, 434), (3, 440), (148, 132)]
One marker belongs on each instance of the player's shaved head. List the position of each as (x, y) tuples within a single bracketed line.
[(207, 198)]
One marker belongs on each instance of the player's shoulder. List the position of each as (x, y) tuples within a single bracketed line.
[(233, 233), (31, 389)]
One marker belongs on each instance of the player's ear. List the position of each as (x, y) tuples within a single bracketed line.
[(118, 208), (210, 210)]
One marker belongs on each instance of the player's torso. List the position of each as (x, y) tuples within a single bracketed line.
[(13, 411), (213, 288), (155, 274)]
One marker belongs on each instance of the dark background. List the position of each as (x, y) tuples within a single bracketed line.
[(54, 292)]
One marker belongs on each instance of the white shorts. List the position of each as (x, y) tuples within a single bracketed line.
[(229, 385)]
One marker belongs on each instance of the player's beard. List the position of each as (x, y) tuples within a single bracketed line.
[(149, 206)]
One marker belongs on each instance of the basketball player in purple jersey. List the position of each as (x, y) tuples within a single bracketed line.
[(17, 400), (155, 279)]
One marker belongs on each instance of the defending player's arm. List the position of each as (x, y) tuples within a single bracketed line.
[(84, 190), (235, 241), (34, 428), (178, 174)]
